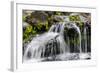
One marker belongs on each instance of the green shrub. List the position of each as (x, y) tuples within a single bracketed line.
[(74, 18)]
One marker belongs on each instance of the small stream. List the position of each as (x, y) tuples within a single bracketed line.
[(57, 44)]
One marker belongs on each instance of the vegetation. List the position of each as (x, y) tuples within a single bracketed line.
[(39, 22)]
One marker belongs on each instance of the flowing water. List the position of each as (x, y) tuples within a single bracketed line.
[(53, 45)]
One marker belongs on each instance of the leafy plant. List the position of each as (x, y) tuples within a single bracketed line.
[(28, 32), (74, 18)]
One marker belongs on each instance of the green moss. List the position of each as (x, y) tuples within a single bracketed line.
[(29, 31), (74, 18), (23, 18)]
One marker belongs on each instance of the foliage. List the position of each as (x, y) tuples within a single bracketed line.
[(28, 32), (40, 22), (74, 18), (23, 18)]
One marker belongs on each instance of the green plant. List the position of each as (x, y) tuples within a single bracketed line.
[(74, 18), (28, 32)]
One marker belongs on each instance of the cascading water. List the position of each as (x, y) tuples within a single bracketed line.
[(85, 39), (72, 25), (52, 43), (37, 45), (59, 28)]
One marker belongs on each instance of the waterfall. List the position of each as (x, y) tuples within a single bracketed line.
[(85, 39), (59, 28), (72, 25), (52, 42), (37, 45), (56, 42), (79, 32)]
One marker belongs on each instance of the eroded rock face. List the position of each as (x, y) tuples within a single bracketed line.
[(42, 16), (36, 17)]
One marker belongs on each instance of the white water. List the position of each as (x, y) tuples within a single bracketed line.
[(85, 39), (73, 25), (37, 42), (79, 33), (37, 48)]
